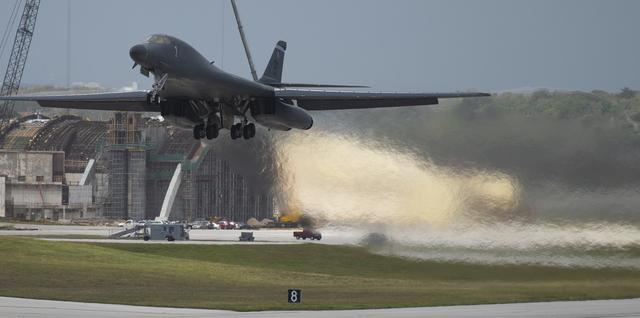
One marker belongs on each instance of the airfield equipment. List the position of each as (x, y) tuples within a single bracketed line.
[(169, 232), (246, 237), (18, 58)]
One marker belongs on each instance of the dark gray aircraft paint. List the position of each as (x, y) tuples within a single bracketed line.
[(192, 93)]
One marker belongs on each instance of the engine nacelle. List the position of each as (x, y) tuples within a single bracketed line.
[(276, 114)]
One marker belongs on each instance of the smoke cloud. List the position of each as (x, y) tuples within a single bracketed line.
[(450, 183)]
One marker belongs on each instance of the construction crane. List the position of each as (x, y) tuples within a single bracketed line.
[(18, 59)]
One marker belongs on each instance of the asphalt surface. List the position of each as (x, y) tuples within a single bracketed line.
[(30, 308)]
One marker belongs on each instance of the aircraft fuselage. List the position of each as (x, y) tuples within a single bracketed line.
[(192, 93), (191, 75)]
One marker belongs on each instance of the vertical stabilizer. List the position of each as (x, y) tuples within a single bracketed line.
[(273, 72)]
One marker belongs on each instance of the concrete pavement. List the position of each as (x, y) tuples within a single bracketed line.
[(30, 308)]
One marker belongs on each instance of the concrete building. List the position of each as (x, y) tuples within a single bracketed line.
[(31, 183), (68, 167), (43, 163)]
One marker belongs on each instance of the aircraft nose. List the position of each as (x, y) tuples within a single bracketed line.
[(139, 53)]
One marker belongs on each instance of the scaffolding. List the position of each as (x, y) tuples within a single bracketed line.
[(126, 163), (210, 187), (136, 182)]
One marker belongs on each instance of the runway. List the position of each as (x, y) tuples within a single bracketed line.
[(30, 308), (17, 307), (262, 236), (39, 229)]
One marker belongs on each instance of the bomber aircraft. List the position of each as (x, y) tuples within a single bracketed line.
[(190, 92)]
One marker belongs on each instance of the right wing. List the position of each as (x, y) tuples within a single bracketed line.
[(120, 101)]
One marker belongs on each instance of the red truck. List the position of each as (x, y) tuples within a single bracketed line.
[(307, 234)]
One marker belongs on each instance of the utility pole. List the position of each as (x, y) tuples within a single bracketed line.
[(68, 44)]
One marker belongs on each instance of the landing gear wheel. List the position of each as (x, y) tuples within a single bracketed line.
[(252, 130), (239, 131), (246, 132), (198, 132), (212, 131), (236, 131)]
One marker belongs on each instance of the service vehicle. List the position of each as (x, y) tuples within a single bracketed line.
[(307, 234)]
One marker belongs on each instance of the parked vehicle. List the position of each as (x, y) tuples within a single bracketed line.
[(226, 225), (307, 234), (243, 226), (200, 225)]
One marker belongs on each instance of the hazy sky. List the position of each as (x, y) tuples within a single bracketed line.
[(491, 45)]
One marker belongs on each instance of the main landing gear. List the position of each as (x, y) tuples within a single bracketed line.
[(240, 130), (209, 131)]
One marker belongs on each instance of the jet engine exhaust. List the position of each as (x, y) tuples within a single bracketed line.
[(386, 193)]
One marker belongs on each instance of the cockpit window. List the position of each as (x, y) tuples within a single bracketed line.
[(159, 39)]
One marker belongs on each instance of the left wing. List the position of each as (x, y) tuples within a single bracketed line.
[(313, 99), (120, 101)]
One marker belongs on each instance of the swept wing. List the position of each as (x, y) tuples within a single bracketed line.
[(119, 101), (314, 99)]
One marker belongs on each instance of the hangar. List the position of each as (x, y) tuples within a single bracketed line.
[(69, 167)]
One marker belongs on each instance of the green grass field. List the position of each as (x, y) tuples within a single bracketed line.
[(256, 277)]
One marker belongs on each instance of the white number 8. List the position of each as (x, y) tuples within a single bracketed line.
[(294, 296)]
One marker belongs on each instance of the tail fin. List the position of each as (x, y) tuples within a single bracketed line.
[(273, 72)]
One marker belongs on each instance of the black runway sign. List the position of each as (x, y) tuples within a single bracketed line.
[(294, 296)]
